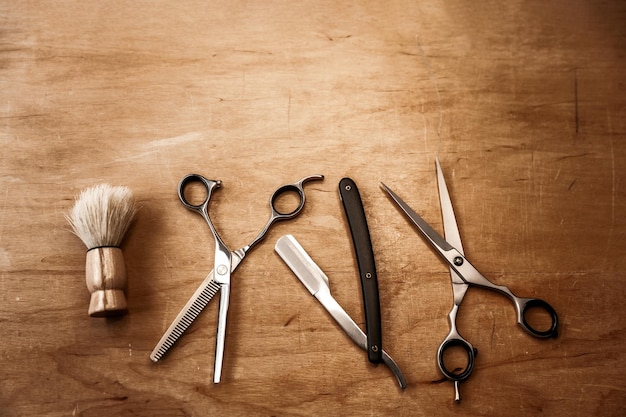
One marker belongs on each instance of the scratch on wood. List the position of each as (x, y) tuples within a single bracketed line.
[(576, 98), (493, 329), (289, 115), (332, 38), (176, 140), (609, 124), (444, 379), (439, 381), (580, 155), (290, 320), (120, 398), (433, 79), (572, 184)]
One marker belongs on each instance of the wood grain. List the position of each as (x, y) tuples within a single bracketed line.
[(522, 101)]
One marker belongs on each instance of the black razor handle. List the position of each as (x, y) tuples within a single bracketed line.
[(353, 207)]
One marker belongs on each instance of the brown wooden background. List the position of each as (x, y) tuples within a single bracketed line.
[(523, 101)]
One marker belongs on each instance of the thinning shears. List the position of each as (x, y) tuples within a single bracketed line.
[(463, 275), (225, 263)]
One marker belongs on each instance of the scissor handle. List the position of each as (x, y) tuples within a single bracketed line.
[(524, 304), (470, 351), (472, 276), (298, 188), (276, 214), (209, 185), (279, 215)]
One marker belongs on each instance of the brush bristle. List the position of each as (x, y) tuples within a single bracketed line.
[(102, 215)]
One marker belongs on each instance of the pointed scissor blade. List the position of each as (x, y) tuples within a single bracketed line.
[(451, 232), (433, 237), (450, 227)]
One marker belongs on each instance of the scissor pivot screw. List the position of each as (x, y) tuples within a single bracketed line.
[(374, 348), (221, 270), (458, 261)]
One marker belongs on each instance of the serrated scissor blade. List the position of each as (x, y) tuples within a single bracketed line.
[(198, 301)]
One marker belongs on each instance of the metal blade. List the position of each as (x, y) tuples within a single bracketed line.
[(187, 315), (433, 237), (220, 337), (450, 227), (451, 232), (296, 258), (190, 311)]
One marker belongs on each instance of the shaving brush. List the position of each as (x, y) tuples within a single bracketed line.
[(101, 217)]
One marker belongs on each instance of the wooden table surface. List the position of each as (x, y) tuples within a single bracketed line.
[(523, 102)]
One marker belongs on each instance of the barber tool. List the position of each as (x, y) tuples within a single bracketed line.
[(225, 262), (463, 275), (318, 285), (101, 217), (353, 206)]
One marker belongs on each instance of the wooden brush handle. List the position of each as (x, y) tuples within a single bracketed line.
[(106, 281)]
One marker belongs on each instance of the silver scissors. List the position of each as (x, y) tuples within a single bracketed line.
[(225, 262), (463, 275)]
